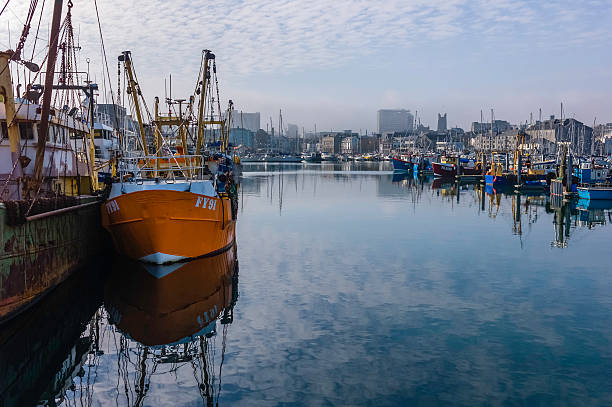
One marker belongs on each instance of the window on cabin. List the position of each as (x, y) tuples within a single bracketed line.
[(26, 131), (3, 131), (97, 133)]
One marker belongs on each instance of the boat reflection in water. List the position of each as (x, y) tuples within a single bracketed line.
[(43, 350), (167, 317)]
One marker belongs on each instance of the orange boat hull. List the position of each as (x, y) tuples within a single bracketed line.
[(162, 226)]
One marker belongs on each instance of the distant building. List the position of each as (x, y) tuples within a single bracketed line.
[(499, 126), (242, 120), (350, 145), (448, 146), (292, 131), (573, 131), (385, 144), (331, 144), (607, 146), (505, 141), (262, 139), (392, 120), (442, 122), (368, 144), (242, 137)]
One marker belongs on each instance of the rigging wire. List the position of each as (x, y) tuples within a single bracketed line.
[(3, 8), (106, 63)]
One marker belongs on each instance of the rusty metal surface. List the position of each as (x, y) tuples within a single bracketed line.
[(35, 256)]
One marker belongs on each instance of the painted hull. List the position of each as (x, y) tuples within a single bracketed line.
[(444, 170), (283, 159), (401, 165), (595, 193), (165, 226), (40, 253)]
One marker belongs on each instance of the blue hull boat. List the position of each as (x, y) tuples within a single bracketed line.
[(401, 165), (595, 192)]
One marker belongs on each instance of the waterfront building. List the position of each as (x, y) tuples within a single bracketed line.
[(499, 126), (507, 142), (385, 144), (368, 144), (441, 122), (331, 143), (392, 120), (576, 133), (449, 146), (350, 145)]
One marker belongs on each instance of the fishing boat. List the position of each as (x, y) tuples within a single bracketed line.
[(282, 158), (423, 166), (172, 208), (328, 157), (450, 165), (50, 222), (252, 158), (313, 158), (402, 162)]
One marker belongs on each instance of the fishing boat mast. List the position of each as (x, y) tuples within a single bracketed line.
[(134, 91), (202, 86), (43, 129)]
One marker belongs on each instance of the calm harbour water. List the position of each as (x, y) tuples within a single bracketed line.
[(354, 287)]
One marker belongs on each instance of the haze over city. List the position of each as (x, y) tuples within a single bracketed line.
[(334, 64)]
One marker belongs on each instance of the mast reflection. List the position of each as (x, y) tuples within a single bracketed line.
[(167, 317)]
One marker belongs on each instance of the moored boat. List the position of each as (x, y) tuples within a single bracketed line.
[(49, 221), (172, 208), (452, 166), (313, 158), (402, 163)]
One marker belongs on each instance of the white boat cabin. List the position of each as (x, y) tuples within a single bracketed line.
[(64, 152)]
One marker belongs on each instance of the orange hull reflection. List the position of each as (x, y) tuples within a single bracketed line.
[(162, 226), (182, 304)]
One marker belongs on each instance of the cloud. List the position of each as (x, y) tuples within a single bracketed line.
[(264, 38)]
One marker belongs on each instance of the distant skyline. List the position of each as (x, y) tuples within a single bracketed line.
[(334, 64)]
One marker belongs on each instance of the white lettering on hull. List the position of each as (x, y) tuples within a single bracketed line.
[(206, 203)]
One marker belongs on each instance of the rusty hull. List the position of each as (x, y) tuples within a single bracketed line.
[(37, 255)]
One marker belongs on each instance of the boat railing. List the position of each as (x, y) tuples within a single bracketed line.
[(169, 167)]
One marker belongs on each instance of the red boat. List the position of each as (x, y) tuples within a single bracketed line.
[(444, 169), (448, 169)]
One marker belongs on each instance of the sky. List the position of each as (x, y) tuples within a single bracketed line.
[(333, 64)]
